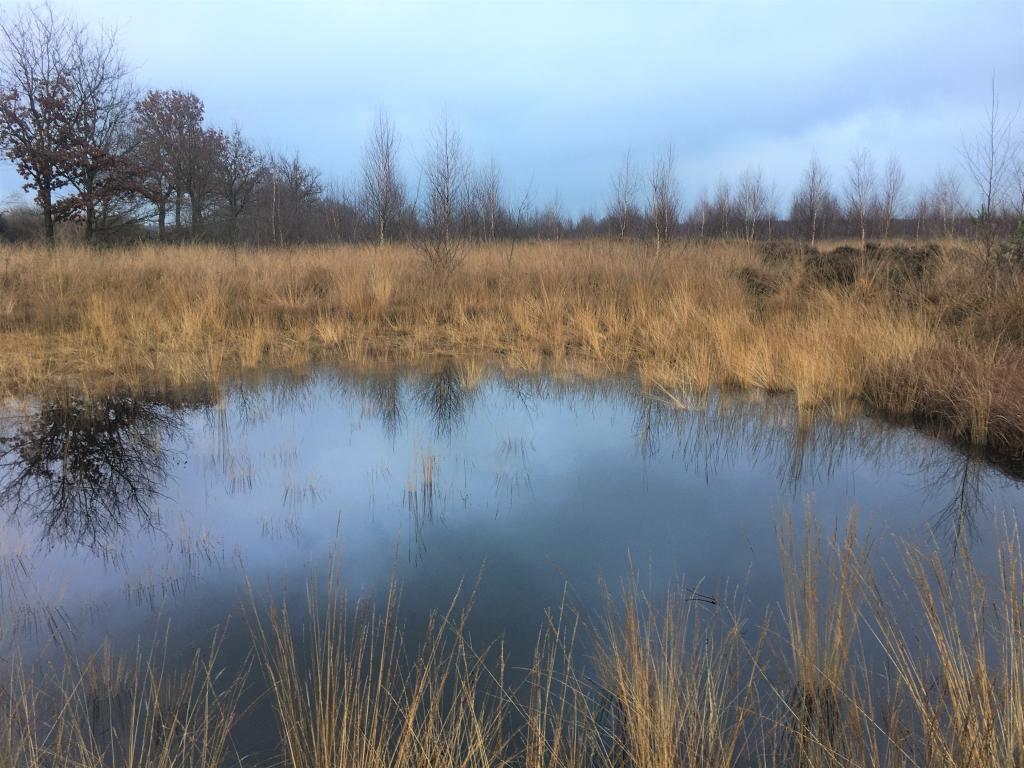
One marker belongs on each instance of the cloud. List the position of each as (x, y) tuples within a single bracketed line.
[(556, 93)]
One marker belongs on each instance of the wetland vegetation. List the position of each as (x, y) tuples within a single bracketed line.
[(927, 333), (485, 569), (413, 470)]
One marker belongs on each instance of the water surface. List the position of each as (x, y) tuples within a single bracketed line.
[(123, 514)]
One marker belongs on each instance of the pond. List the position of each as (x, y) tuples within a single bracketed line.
[(127, 517)]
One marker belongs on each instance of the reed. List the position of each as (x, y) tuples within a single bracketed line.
[(108, 711), (962, 672), (679, 678), (849, 671), (933, 334), (348, 693)]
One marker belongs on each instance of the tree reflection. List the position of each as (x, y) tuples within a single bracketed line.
[(383, 400), (444, 396), (83, 470), (806, 447), (962, 483), (709, 433)]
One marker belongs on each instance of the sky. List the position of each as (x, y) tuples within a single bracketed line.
[(557, 93)]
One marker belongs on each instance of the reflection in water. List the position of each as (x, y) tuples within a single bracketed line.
[(421, 502), (384, 402), (809, 448), (445, 396), (436, 477), (83, 470), (962, 483)]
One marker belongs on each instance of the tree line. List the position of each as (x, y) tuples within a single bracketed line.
[(124, 164)]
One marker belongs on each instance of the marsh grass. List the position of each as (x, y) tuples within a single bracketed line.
[(347, 692), (918, 667), (820, 617), (933, 334), (679, 677), (962, 675), (137, 711)]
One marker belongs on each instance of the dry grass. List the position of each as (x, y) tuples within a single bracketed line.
[(347, 694), (141, 711), (842, 674), (937, 337)]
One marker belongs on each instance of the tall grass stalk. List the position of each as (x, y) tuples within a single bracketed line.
[(933, 334), (852, 671)]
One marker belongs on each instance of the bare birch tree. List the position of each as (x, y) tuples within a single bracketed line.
[(445, 182), (382, 193), (625, 191), (772, 206), (893, 183), (489, 199), (1018, 182), (752, 198), (663, 203), (861, 193), (946, 201), (702, 213), (723, 206), (988, 159), (812, 200)]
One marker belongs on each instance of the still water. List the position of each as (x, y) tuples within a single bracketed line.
[(124, 515)]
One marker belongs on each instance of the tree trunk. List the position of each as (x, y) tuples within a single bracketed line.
[(90, 223), (196, 219), (46, 204), (161, 220), (48, 225)]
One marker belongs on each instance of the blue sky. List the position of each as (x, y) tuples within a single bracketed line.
[(557, 93)]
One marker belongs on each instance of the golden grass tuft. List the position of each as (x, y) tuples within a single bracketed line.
[(938, 343), (845, 673)]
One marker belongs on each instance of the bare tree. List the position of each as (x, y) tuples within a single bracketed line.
[(922, 209), (488, 196), (813, 200), (1018, 182), (98, 163), (663, 203), (517, 221), (893, 183), (445, 181), (723, 206), (64, 102), (702, 213), (946, 201), (295, 188), (624, 209), (550, 221), (772, 206), (752, 197), (860, 191), (202, 163), (238, 174), (988, 159), (383, 193)]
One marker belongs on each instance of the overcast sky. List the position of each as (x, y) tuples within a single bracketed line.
[(557, 93)]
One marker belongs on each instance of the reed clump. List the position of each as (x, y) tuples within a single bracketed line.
[(142, 710), (851, 669), (931, 333)]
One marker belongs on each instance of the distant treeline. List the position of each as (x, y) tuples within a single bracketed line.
[(123, 164)]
